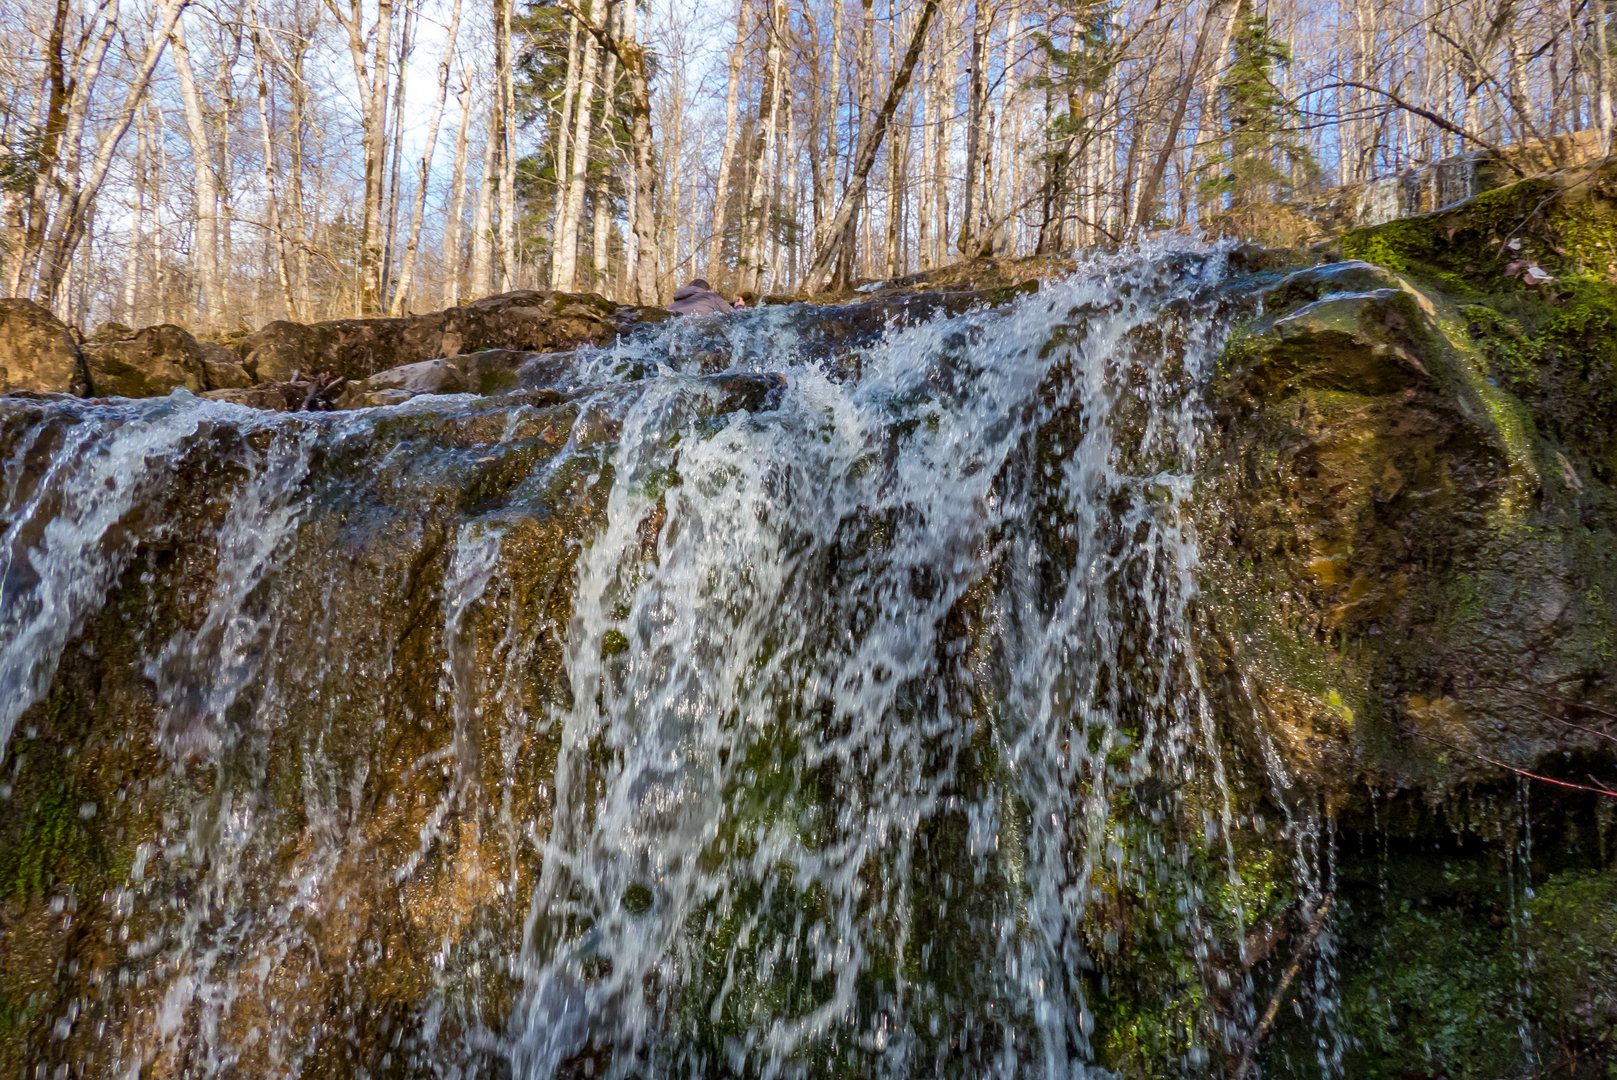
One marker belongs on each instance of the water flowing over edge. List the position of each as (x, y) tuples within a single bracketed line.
[(877, 702)]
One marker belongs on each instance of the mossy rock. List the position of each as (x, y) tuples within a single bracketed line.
[(1410, 574)]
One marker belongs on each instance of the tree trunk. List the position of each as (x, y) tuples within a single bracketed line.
[(390, 231), (943, 93), (371, 76), (564, 134), (482, 223), (1602, 74), (869, 144), (283, 273), (969, 243), (756, 224), (457, 199), (631, 55), (205, 187), (600, 261), (424, 167), (1146, 206), (299, 104), (134, 269), (721, 192), (505, 94), (565, 263)]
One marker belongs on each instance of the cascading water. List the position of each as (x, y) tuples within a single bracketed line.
[(729, 704)]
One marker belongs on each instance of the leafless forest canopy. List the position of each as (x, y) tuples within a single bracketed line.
[(221, 165)]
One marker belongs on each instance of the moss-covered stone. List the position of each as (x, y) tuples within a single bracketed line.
[(1413, 572)]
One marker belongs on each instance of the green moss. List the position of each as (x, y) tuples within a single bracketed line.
[(1140, 1035), (1440, 978), (1572, 931), (46, 835), (1585, 230), (1513, 357), (1383, 246), (1157, 1011), (1555, 346), (1435, 994), (1557, 354), (1242, 349), (1458, 246)]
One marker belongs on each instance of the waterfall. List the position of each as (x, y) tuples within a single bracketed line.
[(752, 696)]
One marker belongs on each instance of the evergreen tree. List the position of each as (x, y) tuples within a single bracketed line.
[(1263, 158)]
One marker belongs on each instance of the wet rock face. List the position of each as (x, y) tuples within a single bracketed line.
[(1412, 573), (354, 752), (1424, 537), (332, 693), (387, 565), (221, 370), (37, 352)]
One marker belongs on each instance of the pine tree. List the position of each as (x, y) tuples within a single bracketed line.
[(1074, 74), (1263, 159)]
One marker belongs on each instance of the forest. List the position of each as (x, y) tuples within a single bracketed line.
[(219, 165)]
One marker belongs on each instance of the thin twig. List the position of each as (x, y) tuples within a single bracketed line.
[(1596, 789), (1431, 117), (1557, 698), (1316, 926)]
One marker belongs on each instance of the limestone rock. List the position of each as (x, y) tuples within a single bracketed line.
[(1359, 342), (36, 351), (1408, 556), (148, 363), (490, 371)]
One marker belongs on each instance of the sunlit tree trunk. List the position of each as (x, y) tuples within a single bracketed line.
[(600, 262), (452, 256), (482, 277), (424, 167), (272, 202), (505, 147), (755, 224), (566, 257), (371, 62), (870, 142), (969, 242), (204, 185), (395, 165), (721, 193)]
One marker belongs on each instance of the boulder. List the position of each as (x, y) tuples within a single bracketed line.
[(1358, 342), (277, 349), (148, 363), (222, 369), (1440, 554), (404, 382), (355, 349), (276, 397), (111, 330), (37, 351)]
